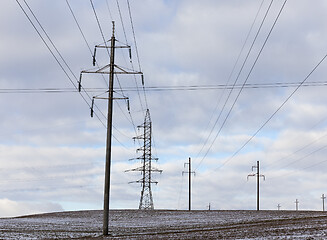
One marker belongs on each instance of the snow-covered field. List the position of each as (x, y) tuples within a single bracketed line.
[(164, 224)]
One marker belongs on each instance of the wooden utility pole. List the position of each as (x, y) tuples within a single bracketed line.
[(258, 182), (103, 70), (323, 202), (278, 207), (189, 181), (296, 204), (109, 135)]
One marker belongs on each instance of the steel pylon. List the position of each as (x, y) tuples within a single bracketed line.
[(146, 200)]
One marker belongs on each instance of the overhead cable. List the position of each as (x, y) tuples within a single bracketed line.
[(277, 110), (229, 78), (167, 88), (239, 93), (55, 57)]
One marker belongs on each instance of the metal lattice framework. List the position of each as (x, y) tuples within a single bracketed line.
[(146, 200)]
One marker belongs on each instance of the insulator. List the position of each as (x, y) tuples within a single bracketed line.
[(92, 107), (142, 77), (80, 83), (95, 50), (128, 106), (130, 53)]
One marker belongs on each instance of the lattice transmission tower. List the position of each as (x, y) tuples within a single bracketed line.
[(146, 200)]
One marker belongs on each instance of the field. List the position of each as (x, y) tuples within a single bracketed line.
[(166, 224)]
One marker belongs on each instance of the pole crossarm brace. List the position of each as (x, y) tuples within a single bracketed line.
[(123, 71), (100, 46), (187, 172), (254, 174), (109, 47), (104, 44), (112, 66), (122, 98), (250, 175)]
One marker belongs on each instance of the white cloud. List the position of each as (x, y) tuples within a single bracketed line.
[(9, 208), (51, 148)]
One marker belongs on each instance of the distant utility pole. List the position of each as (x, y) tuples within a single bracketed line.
[(104, 70), (146, 200), (296, 204), (278, 206), (258, 179), (189, 181), (323, 202), (209, 207)]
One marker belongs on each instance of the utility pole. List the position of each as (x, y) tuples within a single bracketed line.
[(278, 207), (258, 179), (209, 207), (109, 136), (189, 181), (296, 204), (146, 200), (111, 73), (323, 202)]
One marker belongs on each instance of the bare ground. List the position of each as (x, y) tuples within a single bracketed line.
[(165, 224)]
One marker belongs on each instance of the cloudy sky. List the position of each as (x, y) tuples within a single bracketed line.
[(222, 82)]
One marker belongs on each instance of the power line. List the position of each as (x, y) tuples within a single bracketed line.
[(100, 28), (301, 148), (294, 171), (137, 52), (122, 54), (297, 151), (121, 20), (226, 86), (52, 43), (264, 44), (233, 69), (140, 69), (167, 88), (124, 31), (54, 46), (277, 110), (79, 27), (109, 10), (239, 93), (103, 38), (133, 31), (313, 152), (57, 60), (105, 43), (48, 47)]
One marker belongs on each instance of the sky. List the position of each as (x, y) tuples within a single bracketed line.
[(191, 53)]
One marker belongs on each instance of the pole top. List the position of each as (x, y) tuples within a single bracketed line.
[(113, 28)]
